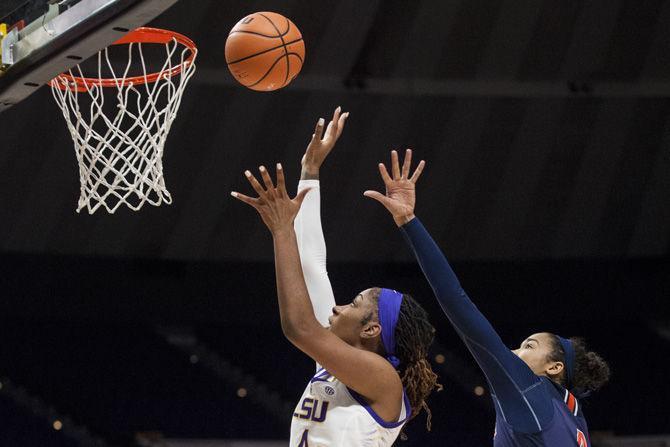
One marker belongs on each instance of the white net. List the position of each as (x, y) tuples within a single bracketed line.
[(119, 143)]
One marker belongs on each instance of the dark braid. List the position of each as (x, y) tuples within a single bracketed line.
[(413, 336)]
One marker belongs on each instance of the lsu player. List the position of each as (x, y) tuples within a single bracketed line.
[(372, 373), (536, 388)]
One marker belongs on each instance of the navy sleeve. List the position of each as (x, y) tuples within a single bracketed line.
[(519, 393)]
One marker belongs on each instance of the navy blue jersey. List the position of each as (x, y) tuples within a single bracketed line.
[(566, 428), (530, 410)]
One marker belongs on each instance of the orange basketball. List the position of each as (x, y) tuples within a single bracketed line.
[(265, 51)]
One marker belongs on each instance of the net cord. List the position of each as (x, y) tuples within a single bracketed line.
[(120, 156)]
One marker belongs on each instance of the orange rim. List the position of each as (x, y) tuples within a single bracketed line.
[(140, 35)]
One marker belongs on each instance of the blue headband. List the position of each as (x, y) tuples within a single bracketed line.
[(569, 351), (389, 309)]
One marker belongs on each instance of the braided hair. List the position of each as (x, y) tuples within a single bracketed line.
[(413, 335)]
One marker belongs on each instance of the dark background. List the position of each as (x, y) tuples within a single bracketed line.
[(545, 127)]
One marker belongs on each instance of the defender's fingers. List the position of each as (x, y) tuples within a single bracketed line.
[(418, 171), (385, 174), (395, 166), (267, 181), (246, 199), (379, 197), (254, 184), (407, 163), (281, 181)]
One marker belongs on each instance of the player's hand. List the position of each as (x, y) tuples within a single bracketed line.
[(400, 194), (321, 144), (275, 207)]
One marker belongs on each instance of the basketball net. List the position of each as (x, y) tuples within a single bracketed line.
[(119, 147)]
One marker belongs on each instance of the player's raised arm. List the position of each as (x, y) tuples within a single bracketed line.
[(311, 243), (506, 373), (364, 371)]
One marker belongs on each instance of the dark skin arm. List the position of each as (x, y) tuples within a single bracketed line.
[(365, 372)]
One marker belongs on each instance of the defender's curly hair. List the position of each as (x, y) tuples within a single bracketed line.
[(591, 371), (413, 335)]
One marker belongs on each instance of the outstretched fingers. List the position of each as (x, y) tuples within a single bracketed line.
[(418, 171), (395, 166), (333, 125), (267, 181), (256, 185), (281, 181), (246, 199), (376, 195), (318, 130), (407, 163), (340, 124), (385, 175)]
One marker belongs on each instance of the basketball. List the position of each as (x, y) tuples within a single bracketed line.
[(265, 51)]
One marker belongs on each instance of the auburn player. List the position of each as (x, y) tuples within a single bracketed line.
[(535, 388)]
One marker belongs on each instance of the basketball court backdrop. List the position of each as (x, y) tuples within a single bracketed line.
[(129, 273)]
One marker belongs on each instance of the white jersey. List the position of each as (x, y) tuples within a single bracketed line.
[(331, 415)]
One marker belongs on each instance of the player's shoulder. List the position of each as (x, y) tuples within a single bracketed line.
[(568, 399)]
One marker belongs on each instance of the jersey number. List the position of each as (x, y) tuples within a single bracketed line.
[(581, 439), (303, 439)]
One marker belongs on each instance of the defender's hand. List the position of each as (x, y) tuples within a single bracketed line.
[(400, 194)]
